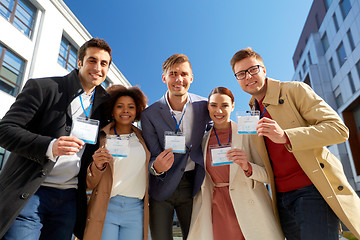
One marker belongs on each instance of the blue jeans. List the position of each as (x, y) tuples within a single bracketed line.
[(124, 219), (305, 215), (49, 214)]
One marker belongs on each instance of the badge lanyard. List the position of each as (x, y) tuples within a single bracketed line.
[(176, 122), (118, 134), (257, 107), (87, 113), (218, 140)]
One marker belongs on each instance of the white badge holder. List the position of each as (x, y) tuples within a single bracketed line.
[(248, 121), (117, 146), (85, 129), (218, 155), (176, 141)]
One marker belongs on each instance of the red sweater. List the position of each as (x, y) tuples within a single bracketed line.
[(287, 171)]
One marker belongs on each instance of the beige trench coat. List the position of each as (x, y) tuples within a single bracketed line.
[(100, 182), (311, 124), (250, 198)]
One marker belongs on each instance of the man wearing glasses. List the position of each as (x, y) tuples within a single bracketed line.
[(309, 187)]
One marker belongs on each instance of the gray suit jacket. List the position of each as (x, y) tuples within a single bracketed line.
[(155, 120)]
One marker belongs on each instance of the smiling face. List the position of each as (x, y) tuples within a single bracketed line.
[(178, 79), (256, 84), (124, 111), (93, 68), (220, 107)]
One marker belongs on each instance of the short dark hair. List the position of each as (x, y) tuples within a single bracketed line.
[(94, 42), (222, 90), (117, 91), (245, 53), (173, 59)]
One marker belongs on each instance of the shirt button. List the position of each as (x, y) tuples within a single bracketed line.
[(340, 188), (322, 165), (68, 128)]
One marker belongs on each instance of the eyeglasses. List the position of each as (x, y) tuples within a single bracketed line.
[(251, 70)]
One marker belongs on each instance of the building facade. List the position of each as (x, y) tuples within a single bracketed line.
[(39, 38), (327, 58)]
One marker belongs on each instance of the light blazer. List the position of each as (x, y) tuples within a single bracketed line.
[(100, 182), (41, 112), (155, 120), (311, 125), (249, 196)]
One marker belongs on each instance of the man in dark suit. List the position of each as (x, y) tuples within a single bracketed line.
[(42, 185), (173, 129)]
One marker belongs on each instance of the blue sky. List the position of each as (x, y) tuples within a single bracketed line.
[(143, 34)]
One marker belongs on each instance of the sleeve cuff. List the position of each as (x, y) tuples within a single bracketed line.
[(49, 152)]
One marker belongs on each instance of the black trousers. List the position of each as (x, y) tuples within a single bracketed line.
[(162, 212)]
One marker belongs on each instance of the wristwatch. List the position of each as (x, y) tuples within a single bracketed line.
[(153, 171)]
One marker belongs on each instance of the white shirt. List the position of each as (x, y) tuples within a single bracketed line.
[(129, 175), (67, 167), (186, 125)]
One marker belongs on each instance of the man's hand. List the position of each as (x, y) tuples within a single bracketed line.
[(269, 128), (67, 145), (101, 157), (164, 161), (239, 157)]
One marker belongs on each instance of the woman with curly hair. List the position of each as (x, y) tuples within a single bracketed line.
[(118, 206)]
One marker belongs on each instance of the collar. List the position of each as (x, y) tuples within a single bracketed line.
[(272, 93), (167, 101)]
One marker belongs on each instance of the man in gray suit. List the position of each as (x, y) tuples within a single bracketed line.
[(173, 128)]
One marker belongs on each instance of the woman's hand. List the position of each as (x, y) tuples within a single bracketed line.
[(101, 157), (239, 157)]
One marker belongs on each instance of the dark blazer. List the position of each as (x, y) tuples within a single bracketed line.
[(155, 120), (40, 113)]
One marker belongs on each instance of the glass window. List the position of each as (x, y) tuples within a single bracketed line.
[(67, 55), (341, 54), (351, 82), (309, 58), (356, 113), (332, 67), (317, 21), (106, 83), (21, 13), (351, 40), (2, 157), (304, 66), (11, 72), (358, 68), (336, 24), (327, 3), (325, 42), (338, 97), (345, 7)]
